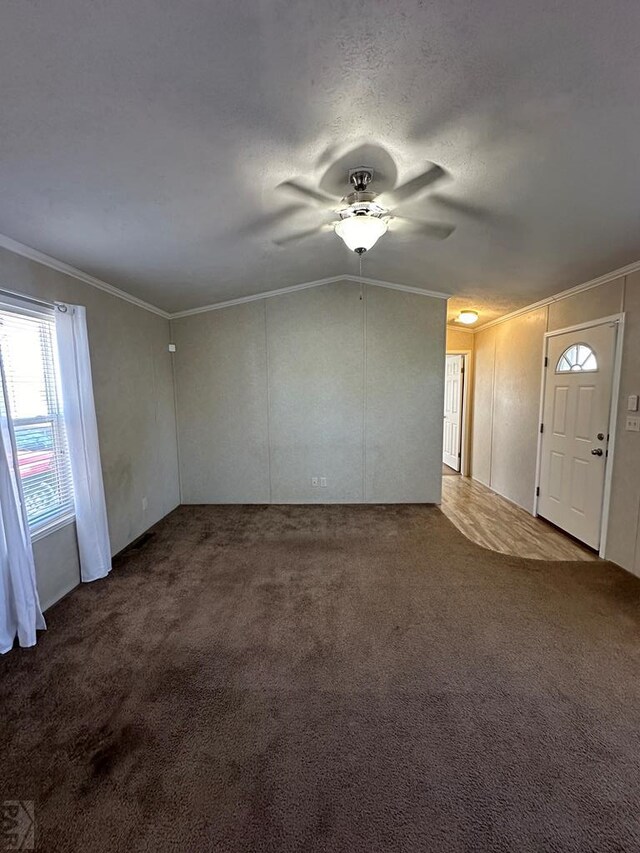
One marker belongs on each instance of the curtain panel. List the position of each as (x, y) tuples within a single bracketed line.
[(82, 436), (20, 613)]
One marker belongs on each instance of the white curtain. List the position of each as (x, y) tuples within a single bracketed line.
[(20, 613), (82, 436)]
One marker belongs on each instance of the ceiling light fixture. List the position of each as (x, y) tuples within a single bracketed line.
[(360, 231), (468, 317)]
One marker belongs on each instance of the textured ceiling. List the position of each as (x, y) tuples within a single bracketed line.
[(143, 141)]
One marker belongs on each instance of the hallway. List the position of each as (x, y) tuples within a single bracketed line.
[(493, 522)]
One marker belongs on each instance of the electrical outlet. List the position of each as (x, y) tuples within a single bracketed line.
[(323, 482), (632, 424), (314, 481), (145, 504)]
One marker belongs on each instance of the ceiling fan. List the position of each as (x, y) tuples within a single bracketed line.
[(364, 215)]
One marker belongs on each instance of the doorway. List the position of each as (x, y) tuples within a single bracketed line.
[(576, 429), (453, 432)]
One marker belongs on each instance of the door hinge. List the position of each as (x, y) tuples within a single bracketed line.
[(546, 361), (541, 427), (537, 491), (459, 454)]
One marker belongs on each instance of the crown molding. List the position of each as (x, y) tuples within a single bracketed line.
[(391, 285), (307, 285), (557, 297), (47, 261)]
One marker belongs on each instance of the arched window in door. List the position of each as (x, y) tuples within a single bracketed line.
[(577, 358)]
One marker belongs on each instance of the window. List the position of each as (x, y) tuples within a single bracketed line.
[(577, 358), (27, 345)]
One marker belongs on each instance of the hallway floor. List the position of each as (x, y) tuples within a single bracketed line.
[(493, 522)]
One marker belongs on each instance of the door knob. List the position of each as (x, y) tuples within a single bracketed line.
[(597, 451)]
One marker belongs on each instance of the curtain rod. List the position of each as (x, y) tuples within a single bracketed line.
[(33, 299)]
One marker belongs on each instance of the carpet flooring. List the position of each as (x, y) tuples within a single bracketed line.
[(330, 679)]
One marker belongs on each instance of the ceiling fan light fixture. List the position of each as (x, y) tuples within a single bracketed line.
[(468, 317), (361, 231)]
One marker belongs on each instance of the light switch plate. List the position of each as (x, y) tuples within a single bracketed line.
[(632, 403), (633, 424)]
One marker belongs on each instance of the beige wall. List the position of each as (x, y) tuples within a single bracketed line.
[(623, 541), (590, 305), (133, 387), (221, 387), (459, 340), (316, 393), (483, 398), (508, 359), (328, 382), (404, 405), (516, 405)]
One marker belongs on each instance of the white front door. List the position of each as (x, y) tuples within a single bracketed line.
[(453, 411), (577, 404)]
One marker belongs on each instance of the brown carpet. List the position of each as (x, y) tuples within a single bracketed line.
[(330, 679)]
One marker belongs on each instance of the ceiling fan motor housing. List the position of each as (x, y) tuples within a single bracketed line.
[(362, 208), (360, 178)]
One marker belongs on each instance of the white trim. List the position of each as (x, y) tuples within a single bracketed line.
[(465, 443), (557, 297), (47, 529), (543, 388), (482, 483), (229, 303), (268, 398), (505, 498), (618, 320), (613, 424), (363, 297), (588, 324), (281, 291), (47, 261), (392, 285), (176, 420), (25, 306)]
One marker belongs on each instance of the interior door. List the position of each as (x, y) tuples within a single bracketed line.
[(452, 443), (577, 404)]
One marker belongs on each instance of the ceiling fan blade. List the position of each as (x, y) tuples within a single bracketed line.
[(437, 230), (300, 235), (462, 207), (306, 192), (415, 185), (269, 220)]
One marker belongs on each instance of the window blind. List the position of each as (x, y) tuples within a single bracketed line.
[(29, 361)]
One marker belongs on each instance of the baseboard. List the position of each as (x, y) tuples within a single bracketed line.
[(505, 497)]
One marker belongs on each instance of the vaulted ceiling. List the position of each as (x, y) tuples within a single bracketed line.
[(144, 142)]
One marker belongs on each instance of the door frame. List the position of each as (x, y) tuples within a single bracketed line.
[(618, 320), (465, 426)]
